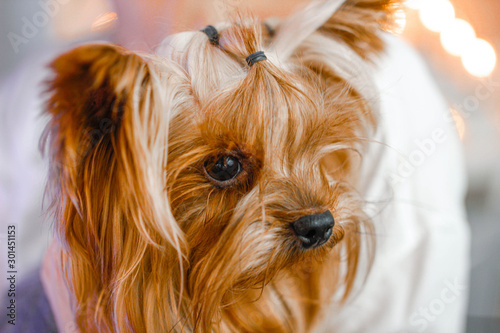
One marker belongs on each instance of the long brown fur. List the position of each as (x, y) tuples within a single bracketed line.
[(150, 243)]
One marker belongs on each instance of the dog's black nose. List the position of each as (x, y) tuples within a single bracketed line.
[(314, 230)]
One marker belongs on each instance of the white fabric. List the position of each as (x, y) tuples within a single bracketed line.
[(414, 183)]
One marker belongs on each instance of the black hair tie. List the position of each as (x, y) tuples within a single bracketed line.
[(213, 35), (256, 57)]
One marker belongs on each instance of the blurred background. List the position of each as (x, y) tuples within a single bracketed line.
[(459, 39)]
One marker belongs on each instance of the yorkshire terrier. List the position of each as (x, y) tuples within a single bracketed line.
[(212, 187)]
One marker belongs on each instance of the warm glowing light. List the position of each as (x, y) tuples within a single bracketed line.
[(104, 21), (459, 123), (457, 37), (479, 58), (437, 14)]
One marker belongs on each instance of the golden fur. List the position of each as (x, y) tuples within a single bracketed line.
[(150, 243)]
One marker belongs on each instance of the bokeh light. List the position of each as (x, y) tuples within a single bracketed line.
[(437, 14), (457, 37), (479, 58), (104, 21)]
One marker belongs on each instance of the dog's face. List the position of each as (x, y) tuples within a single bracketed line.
[(197, 193), (257, 181)]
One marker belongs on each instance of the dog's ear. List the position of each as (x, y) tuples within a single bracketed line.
[(88, 93), (108, 142), (354, 22), (109, 123), (358, 23)]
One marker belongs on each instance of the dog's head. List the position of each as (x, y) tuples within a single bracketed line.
[(197, 192)]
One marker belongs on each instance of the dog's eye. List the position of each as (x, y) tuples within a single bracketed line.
[(223, 169)]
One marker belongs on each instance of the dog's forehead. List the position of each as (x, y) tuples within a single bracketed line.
[(273, 118), (279, 98)]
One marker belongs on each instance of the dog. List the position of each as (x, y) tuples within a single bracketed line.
[(212, 187)]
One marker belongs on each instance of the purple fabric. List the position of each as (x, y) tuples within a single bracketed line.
[(33, 313)]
